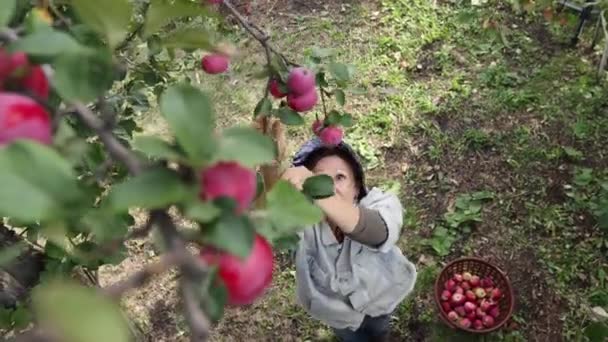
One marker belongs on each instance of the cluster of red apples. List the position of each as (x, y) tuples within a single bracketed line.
[(471, 301)]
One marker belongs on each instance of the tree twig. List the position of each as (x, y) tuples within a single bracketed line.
[(118, 152), (255, 31), (141, 277), (197, 320), (9, 35), (323, 101)]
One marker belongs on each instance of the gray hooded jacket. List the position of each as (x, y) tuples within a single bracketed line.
[(339, 284)]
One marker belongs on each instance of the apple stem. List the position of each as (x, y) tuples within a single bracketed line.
[(323, 101)]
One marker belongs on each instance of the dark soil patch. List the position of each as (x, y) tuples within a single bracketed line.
[(535, 302), (427, 64), (260, 10), (557, 178)]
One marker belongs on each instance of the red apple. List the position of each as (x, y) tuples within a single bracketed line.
[(465, 285), (275, 90), (460, 311), (23, 118), (474, 281), (488, 321), (453, 316), (317, 126), (458, 277), (457, 299), (446, 307), (465, 323), (496, 294), (469, 307), (36, 82), (245, 279), (446, 295), (477, 324), (470, 295), (304, 102), (332, 136), (300, 81), (485, 305), (449, 285), (231, 180), (494, 312), (215, 63)]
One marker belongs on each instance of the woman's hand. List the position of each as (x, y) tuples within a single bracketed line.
[(297, 175)]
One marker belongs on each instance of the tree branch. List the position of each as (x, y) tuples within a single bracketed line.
[(141, 277), (118, 152), (9, 35), (255, 31), (197, 320)]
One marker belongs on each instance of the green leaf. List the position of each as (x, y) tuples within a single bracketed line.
[(573, 153), (317, 187), (105, 226), (215, 297), (156, 148), (203, 212), (51, 250), (602, 220), (233, 234), (290, 117), (597, 332), (7, 10), (83, 76), (21, 317), (110, 18), (8, 254), (320, 80), (260, 186), (187, 38), (339, 71), (191, 118), (61, 305), (346, 120), (47, 43), (336, 118), (246, 145), (31, 195), (152, 189), (263, 108), (340, 96), (5, 318), (289, 209), (162, 12)]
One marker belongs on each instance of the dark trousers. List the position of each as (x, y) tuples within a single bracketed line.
[(373, 329)]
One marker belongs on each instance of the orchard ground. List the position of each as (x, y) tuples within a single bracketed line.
[(449, 110)]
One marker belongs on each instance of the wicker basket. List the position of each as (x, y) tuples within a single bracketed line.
[(482, 269)]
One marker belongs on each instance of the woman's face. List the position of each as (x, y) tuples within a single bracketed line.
[(341, 173)]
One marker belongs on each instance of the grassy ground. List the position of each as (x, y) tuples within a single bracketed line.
[(450, 111)]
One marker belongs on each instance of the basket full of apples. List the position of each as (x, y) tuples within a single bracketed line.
[(473, 295)]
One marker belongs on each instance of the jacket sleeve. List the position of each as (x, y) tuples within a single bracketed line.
[(371, 229), (391, 211)]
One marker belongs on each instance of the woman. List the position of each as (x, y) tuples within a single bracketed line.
[(349, 272)]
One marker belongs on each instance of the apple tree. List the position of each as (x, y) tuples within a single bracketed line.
[(74, 163)]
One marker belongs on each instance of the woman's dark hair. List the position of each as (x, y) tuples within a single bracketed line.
[(345, 153)]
